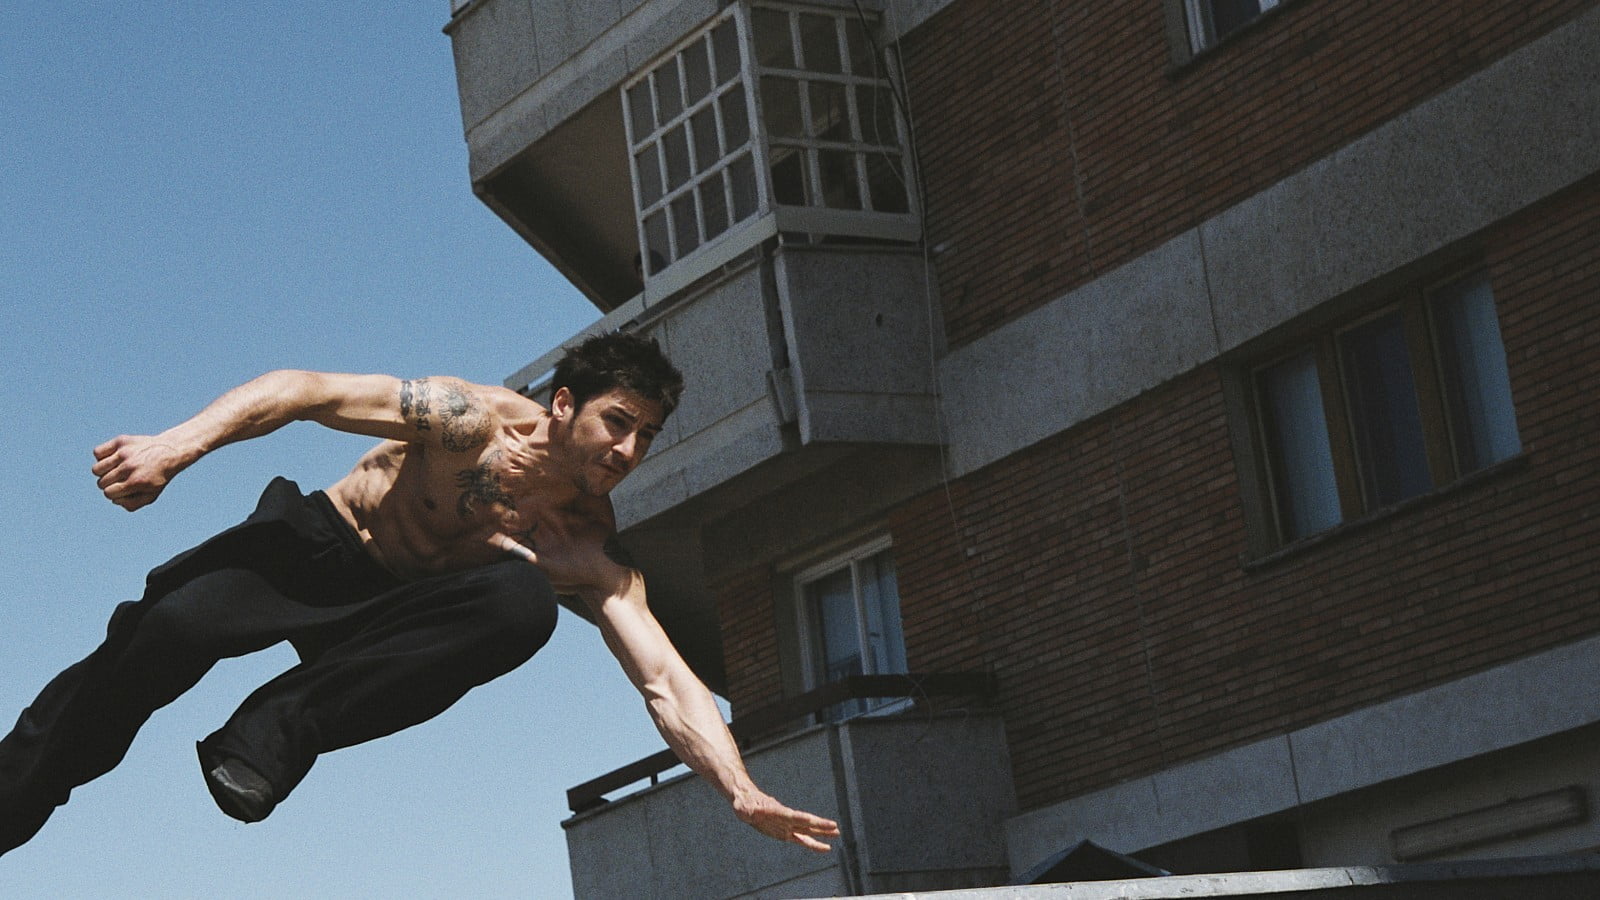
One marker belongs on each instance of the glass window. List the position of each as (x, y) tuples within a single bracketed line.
[(1385, 419), (840, 117), (772, 109), (1296, 431), (819, 43), (690, 129), (851, 611), (1386, 409), (1472, 363), (1212, 20)]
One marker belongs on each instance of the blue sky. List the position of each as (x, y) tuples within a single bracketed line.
[(190, 200)]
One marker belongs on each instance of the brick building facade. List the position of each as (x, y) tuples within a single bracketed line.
[(1122, 428)]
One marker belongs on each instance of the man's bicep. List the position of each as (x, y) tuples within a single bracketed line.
[(443, 411), (449, 411)]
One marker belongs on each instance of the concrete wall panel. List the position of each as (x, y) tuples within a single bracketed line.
[(1505, 707), (929, 794), (1520, 130), (858, 331), (494, 45), (1098, 346)]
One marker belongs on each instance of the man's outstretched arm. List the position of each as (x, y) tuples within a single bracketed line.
[(134, 469), (688, 719)]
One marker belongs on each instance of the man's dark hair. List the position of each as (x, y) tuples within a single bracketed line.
[(618, 360)]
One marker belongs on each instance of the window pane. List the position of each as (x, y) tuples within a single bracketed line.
[(685, 224), (875, 106), (880, 597), (725, 44), (649, 176), (789, 185), (668, 95), (840, 188), (819, 43), (836, 642), (1228, 16), (1301, 458), (735, 120), (774, 46), (1383, 411), (780, 103), (863, 56), (1477, 385), (830, 113), (640, 111), (714, 203), (655, 239), (886, 183), (696, 71), (675, 145), (742, 178), (704, 125)]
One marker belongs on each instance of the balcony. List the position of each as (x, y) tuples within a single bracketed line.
[(643, 145), (809, 406), (919, 797), (732, 179)]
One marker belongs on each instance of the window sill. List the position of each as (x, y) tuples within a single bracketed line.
[(1500, 470)]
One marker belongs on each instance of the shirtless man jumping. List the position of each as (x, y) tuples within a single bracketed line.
[(431, 568)]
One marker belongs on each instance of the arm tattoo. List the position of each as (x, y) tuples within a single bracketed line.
[(481, 484), (466, 425), (619, 554), (414, 403)]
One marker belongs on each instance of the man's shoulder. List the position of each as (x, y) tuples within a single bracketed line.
[(508, 405)]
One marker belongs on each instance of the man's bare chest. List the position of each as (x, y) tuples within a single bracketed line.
[(481, 499)]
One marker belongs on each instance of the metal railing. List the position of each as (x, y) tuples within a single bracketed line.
[(765, 721)]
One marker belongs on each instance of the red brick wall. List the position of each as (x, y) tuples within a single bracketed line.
[(749, 640), (1105, 586), (1019, 107)]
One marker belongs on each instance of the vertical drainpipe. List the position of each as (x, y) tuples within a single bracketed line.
[(852, 847)]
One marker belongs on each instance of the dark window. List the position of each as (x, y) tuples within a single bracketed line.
[(1384, 408), (1212, 20)]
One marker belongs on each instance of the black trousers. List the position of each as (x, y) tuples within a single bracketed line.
[(378, 654)]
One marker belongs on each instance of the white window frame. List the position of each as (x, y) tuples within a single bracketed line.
[(711, 252), (698, 174), (805, 619)]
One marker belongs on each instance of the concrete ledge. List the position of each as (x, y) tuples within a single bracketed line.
[(1548, 878), (1531, 698)]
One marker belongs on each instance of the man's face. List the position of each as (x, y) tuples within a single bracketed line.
[(607, 437)]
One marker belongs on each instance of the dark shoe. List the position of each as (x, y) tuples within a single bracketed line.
[(240, 791)]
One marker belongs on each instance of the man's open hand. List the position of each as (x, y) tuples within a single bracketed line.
[(134, 469), (775, 820)]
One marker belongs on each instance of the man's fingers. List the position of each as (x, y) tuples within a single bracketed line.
[(112, 476), (810, 843), (105, 463)]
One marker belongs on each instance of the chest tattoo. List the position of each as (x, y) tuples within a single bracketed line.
[(481, 485)]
